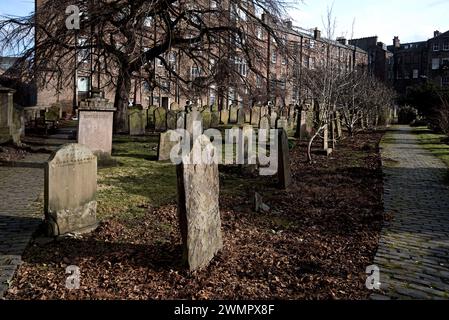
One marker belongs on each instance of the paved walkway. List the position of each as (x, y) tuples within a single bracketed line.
[(21, 195), (413, 255)]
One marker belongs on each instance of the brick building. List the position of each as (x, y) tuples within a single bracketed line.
[(420, 62), (281, 84)]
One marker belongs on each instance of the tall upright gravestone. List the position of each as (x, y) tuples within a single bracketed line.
[(198, 206), (70, 190), (137, 120), (11, 120), (284, 172), (96, 116)]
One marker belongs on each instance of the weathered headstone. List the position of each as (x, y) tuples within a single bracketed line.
[(214, 119), (233, 114), (241, 116), (264, 111), (264, 123), (160, 119), (194, 121), (171, 120), (284, 172), (207, 118), (247, 116), (6, 113), (166, 144), (174, 106), (137, 120), (70, 191), (273, 119), (224, 116), (198, 205), (282, 123), (95, 126), (150, 117), (181, 120), (255, 116)]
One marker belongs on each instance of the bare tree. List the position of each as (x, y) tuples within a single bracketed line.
[(124, 39)]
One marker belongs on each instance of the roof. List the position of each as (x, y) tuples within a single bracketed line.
[(7, 62)]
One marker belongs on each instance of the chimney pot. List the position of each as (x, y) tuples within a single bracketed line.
[(436, 33), (317, 34)]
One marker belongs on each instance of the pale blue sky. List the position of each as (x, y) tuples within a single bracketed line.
[(411, 20)]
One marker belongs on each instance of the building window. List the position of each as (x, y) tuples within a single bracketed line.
[(415, 73), (241, 66), (274, 57), (159, 62), (312, 44), (259, 33), (436, 46), (195, 72), (83, 53), (284, 60), (306, 62), (83, 84), (445, 81), (435, 63), (258, 82), (213, 4), (446, 46), (445, 62)]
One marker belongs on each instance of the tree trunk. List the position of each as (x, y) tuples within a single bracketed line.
[(121, 103)]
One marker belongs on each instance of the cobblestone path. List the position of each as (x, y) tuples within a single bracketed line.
[(413, 254), (21, 195)]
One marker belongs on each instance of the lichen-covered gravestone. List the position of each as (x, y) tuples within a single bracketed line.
[(137, 120), (198, 206), (255, 116), (224, 116), (167, 140), (171, 120), (160, 119), (241, 116), (233, 114), (70, 190), (264, 123)]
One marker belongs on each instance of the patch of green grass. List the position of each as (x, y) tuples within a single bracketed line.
[(138, 182), (434, 143)]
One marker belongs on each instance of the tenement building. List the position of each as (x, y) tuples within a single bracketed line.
[(279, 80)]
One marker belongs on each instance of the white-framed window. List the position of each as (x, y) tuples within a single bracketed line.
[(213, 4), (83, 84), (195, 72), (446, 45), (445, 81), (435, 63), (241, 65), (284, 60), (83, 53), (259, 33), (415, 73), (312, 44), (436, 46), (258, 81), (212, 94), (211, 63), (306, 61), (148, 22), (274, 57)]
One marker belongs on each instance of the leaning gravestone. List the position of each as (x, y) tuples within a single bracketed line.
[(95, 126), (160, 119), (70, 190), (198, 205), (284, 172)]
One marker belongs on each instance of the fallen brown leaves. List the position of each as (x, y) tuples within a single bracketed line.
[(314, 244)]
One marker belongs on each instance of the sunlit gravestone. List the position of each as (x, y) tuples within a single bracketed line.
[(70, 191), (198, 205)]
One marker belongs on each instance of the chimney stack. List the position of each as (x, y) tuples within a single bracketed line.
[(342, 40), (288, 24), (396, 42), (316, 34), (436, 33)]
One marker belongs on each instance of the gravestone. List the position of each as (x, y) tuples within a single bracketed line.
[(194, 121), (284, 172), (241, 116), (214, 119), (174, 106), (282, 123), (150, 117), (264, 111), (52, 114), (171, 120), (6, 113), (273, 119), (70, 191), (137, 120), (224, 116), (166, 144), (255, 116), (264, 123), (207, 118), (247, 115), (181, 120), (233, 114), (95, 126), (160, 119), (198, 205)]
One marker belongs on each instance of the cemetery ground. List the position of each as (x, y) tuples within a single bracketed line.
[(315, 242)]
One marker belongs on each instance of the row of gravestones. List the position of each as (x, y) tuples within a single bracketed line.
[(160, 119), (71, 187)]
